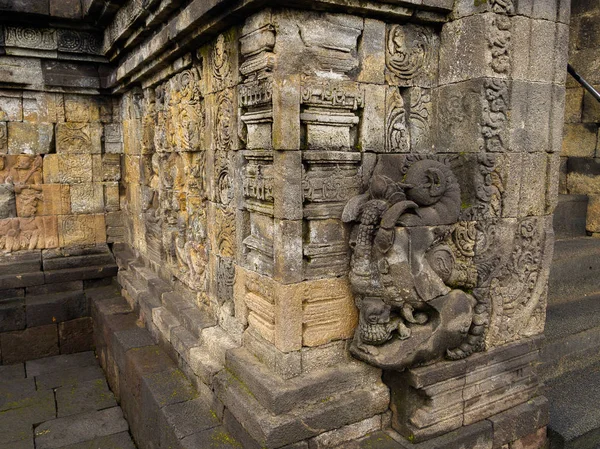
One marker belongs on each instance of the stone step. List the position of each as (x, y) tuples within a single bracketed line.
[(574, 411), (572, 336), (575, 270), (570, 216), (163, 407)]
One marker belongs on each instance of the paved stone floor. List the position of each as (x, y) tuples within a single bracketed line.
[(60, 402)]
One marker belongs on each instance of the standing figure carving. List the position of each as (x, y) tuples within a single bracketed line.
[(401, 264)]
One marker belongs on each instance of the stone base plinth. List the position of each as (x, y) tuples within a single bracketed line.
[(433, 400)]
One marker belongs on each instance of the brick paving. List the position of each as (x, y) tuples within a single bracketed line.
[(60, 402)]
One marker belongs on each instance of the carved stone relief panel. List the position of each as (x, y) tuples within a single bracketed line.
[(320, 44), (28, 233), (329, 180), (34, 38), (329, 114), (73, 137), (408, 124), (258, 181), (474, 108), (3, 138), (411, 55), (435, 269)]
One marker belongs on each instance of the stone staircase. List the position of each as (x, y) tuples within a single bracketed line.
[(571, 353)]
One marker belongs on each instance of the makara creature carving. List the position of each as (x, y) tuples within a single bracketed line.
[(403, 263)]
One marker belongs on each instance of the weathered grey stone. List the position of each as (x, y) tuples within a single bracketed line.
[(12, 314), (217, 437), (29, 138), (87, 396), (12, 372), (78, 428), (277, 430), (69, 377), (28, 344), (187, 418), (520, 421), (60, 363), (55, 308), (118, 441)]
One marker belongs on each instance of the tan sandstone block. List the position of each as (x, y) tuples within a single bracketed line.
[(76, 137), (87, 198), (57, 200), (3, 138), (579, 140), (67, 168), (573, 105), (81, 229), (309, 313), (11, 107), (79, 108), (593, 214), (272, 309), (43, 107), (111, 196), (329, 312)]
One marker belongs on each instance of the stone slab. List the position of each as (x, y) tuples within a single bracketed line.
[(87, 396), (60, 363), (117, 441), (72, 376), (76, 335), (31, 343), (78, 428), (12, 314), (55, 308)]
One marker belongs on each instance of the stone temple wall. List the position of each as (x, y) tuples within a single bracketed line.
[(580, 153), (337, 215), (60, 171), (60, 168), (243, 158)]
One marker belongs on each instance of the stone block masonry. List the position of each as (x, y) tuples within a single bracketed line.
[(44, 300), (580, 153), (330, 218)]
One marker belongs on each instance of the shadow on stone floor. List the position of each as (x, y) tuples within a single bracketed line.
[(60, 402)]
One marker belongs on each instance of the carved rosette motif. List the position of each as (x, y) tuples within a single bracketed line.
[(35, 38)]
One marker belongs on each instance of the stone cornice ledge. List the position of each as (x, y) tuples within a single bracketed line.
[(168, 49)]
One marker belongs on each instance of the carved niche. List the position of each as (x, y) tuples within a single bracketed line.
[(412, 267)]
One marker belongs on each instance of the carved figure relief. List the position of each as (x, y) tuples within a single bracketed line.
[(26, 176), (410, 257), (220, 60), (224, 122), (8, 206)]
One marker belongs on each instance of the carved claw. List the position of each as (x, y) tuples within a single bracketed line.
[(403, 331), (372, 350), (407, 314)]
